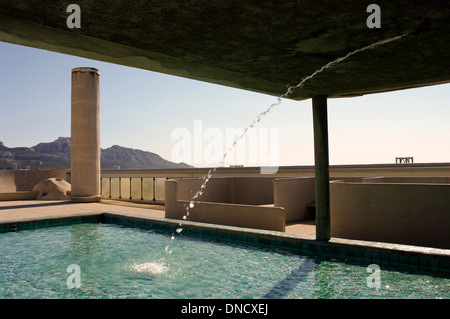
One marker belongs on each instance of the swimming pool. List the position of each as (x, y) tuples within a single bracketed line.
[(122, 262)]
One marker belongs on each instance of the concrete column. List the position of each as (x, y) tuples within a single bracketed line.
[(319, 106), (85, 135)]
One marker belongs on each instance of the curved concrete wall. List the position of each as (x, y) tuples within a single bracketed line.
[(24, 180)]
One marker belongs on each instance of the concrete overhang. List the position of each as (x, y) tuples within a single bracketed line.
[(262, 46)]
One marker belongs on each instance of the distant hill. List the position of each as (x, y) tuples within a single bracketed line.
[(56, 154)]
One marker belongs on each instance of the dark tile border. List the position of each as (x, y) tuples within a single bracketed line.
[(51, 221)]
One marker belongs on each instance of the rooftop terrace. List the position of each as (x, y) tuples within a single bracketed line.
[(252, 46)]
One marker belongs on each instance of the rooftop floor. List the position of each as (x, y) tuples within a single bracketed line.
[(30, 209), (12, 210)]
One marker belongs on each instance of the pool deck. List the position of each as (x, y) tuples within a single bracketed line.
[(302, 233), (12, 210)]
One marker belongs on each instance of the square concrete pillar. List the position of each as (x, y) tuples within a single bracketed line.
[(85, 135), (321, 158)]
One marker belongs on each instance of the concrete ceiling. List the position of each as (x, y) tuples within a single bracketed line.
[(262, 46)]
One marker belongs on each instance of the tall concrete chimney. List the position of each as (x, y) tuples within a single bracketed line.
[(85, 135)]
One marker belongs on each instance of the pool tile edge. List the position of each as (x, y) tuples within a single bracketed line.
[(369, 252), (401, 256)]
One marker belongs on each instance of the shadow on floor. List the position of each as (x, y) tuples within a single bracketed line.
[(40, 204), (282, 288)]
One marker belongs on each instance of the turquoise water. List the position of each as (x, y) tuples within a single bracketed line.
[(120, 262)]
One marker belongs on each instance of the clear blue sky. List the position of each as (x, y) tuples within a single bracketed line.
[(141, 109)]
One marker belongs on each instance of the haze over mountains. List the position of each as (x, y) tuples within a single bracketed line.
[(56, 154)]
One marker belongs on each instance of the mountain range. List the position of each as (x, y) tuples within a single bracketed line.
[(56, 154)]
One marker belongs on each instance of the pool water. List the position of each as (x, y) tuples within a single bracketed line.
[(120, 262)]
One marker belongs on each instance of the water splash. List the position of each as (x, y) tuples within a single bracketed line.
[(150, 268), (261, 115)]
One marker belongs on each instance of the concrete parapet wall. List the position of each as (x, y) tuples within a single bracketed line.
[(252, 190), (214, 206), (361, 171), (408, 180), (24, 180), (293, 194), (405, 213), (217, 190), (249, 216), (235, 190)]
